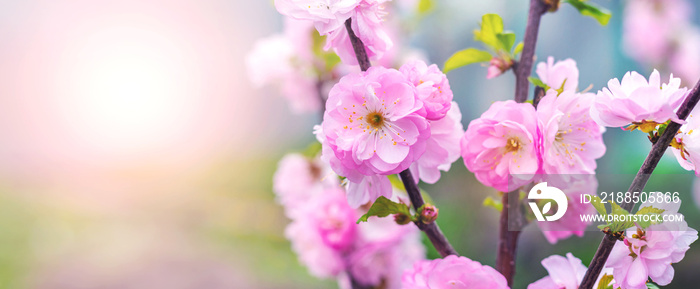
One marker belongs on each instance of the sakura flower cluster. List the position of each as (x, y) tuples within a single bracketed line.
[(329, 18), (650, 252), (686, 144), (638, 102), (661, 33), (381, 122), (324, 233), (286, 60), (452, 272), (512, 142)]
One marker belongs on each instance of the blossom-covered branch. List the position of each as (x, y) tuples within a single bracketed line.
[(507, 243), (640, 180), (442, 245)]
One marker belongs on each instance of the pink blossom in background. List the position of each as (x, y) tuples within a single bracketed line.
[(321, 237), (452, 272), (433, 87), (368, 189), (683, 59), (502, 143), (367, 25), (384, 252), (688, 139), (442, 148), (564, 273), (286, 60), (651, 253), (373, 125), (298, 179), (571, 140), (574, 186), (562, 74), (650, 27), (327, 15), (636, 100)]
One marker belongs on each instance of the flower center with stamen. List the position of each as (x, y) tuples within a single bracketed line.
[(375, 119), (513, 144)]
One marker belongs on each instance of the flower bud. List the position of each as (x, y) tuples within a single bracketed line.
[(428, 213)]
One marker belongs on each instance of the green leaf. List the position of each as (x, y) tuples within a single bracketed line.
[(518, 48), (619, 226), (491, 202), (605, 281), (589, 9), (538, 82), (424, 6), (652, 286), (599, 205), (383, 207), (507, 40), (330, 59), (491, 25), (648, 211), (466, 57)]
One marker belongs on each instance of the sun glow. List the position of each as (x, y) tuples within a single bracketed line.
[(129, 89)]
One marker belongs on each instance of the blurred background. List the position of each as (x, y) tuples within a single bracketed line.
[(135, 153)]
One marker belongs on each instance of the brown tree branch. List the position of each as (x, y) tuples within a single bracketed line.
[(358, 46), (640, 180)]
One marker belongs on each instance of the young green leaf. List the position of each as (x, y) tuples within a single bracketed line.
[(605, 281), (537, 82), (652, 286), (599, 205), (518, 48), (466, 57), (648, 211), (491, 25), (589, 9), (383, 207), (506, 40), (620, 225)]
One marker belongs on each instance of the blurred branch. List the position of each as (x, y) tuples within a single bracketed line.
[(640, 180), (440, 242), (358, 46)]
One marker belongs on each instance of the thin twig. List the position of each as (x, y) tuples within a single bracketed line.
[(440, 242), (640, 180)]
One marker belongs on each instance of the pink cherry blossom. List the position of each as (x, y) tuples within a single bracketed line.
[(452, 272), (442, 148), (634, 100), (324, 234), (327, 15), (682, 59), (384, 252), (433, 87), (649, 28), (687, 147), (500, 147), (286, 61), (298, 179), (564, 273), (372, 125), (650, 253), (367, 26), (571, 140), (574, 186), (563, 74)]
